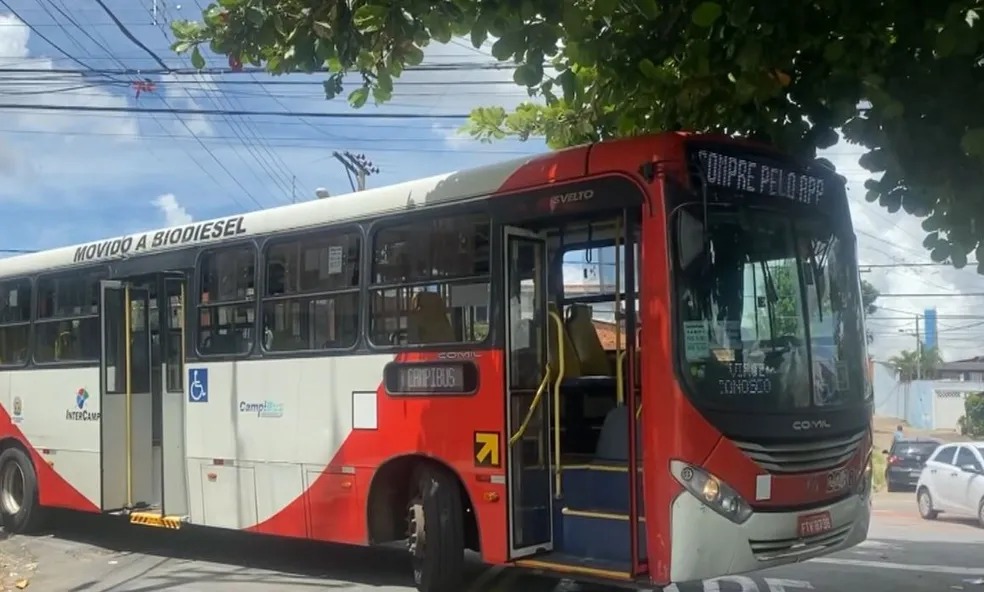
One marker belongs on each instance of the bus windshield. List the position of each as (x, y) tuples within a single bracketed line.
[(769, 309)]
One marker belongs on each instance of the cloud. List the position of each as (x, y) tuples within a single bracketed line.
[(10, 162), (34, 89), (178, 94), (174, 213)]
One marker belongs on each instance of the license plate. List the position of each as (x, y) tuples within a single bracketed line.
[(814, 524)]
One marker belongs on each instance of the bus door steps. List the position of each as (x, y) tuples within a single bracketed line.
[(599, 486), (157, 519), (586, 569), (597, 534)]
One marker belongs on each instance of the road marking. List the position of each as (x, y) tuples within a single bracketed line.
[(943, 569)]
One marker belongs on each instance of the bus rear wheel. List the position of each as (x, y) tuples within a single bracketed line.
[(20, 511), (436, 540)]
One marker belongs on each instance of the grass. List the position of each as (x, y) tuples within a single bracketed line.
[(878, 462)]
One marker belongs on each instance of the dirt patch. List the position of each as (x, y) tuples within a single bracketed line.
[(17, 564)]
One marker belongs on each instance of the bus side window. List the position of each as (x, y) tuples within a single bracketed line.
[(15, 321), (227, 300), (67, 327), (430, 281), (311, 299)]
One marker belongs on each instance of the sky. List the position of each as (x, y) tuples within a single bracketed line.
[(68, 177)]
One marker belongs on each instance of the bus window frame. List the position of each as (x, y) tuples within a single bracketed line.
[(469, 208), (557, 267), (196, 285), (270, 240), (32, 305), (106, 273)]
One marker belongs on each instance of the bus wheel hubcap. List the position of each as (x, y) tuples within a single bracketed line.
[(415, 530), (12, 488)]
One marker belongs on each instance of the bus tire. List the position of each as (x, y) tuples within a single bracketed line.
[(436, 531), (20, 511)]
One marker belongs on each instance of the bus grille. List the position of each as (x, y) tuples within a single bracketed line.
[(769, 550), (803, 457)]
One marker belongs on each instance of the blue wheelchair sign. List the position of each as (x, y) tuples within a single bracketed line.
[(198, 385)]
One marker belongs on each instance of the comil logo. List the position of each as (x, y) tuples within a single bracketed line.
[(80, 413), (811, 424)]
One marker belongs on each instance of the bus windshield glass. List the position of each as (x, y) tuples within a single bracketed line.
[(769, 308)]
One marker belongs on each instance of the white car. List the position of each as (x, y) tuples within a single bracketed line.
[(953, 482)]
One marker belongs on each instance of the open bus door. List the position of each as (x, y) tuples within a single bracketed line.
[(125, 400), (527, 394), (142, 397)]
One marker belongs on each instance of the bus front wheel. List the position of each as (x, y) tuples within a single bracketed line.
[(436, 531), (20, 511)]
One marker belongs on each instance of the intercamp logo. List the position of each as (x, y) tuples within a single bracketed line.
[(80, 413)]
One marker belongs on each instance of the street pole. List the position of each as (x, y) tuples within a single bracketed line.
[(919, 356), (358, 165)]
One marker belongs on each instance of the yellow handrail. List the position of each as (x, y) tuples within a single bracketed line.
[(533, 405), (128, 361), (556, 398)]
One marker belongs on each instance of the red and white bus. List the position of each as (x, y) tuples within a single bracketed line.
[(468, 361)]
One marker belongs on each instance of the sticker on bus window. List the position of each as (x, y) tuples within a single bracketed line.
[(696, 340)]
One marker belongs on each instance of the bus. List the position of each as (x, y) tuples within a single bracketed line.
[(640, 360)]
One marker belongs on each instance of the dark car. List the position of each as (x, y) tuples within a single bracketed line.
[(905, 461)]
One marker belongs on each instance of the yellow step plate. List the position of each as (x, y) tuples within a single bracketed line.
[(155, 519)]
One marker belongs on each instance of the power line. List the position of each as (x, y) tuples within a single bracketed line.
[(224, 112), (450, 67), (126, 32)]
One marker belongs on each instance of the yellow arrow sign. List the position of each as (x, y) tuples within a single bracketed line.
[(487, 449)]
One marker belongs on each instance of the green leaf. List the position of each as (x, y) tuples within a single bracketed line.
[(931, 240), (527, 75), (414, 55), (706, 13), (381, 95), (180, 47), (568, 82), (197, 60), (478, 35), (370, 17), (255, 16), (648, 69), (506, 46), (358, 97)]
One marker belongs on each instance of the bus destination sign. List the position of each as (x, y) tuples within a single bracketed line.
[(751, 176), (431, 378)]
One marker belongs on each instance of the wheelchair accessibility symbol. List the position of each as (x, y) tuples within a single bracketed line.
[(198, 385)]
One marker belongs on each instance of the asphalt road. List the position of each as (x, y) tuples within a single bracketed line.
[(93, 554)]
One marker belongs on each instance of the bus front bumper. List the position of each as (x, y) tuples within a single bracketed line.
[(707, 545)]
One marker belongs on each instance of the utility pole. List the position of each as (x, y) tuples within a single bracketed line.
[(919, 356), (358, 165)]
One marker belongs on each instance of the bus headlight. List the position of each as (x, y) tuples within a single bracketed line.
[(714, 493)]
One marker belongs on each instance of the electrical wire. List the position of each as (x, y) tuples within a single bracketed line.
[(220, 112)]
